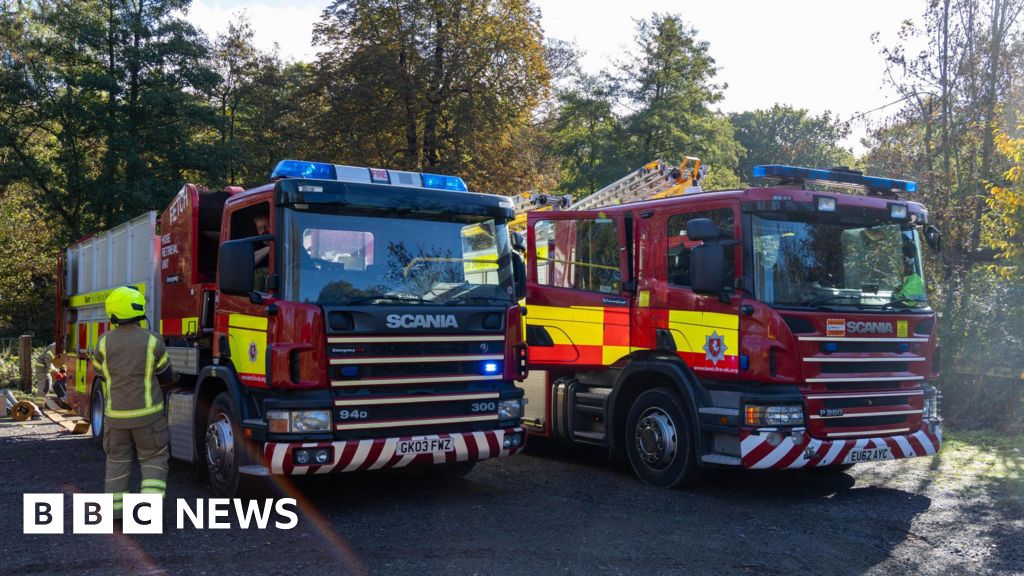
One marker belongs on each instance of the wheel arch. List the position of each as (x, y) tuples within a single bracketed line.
[(647, 374)]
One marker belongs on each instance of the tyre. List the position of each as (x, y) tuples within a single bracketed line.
[(659, 440), (96, 414), (225, 451)]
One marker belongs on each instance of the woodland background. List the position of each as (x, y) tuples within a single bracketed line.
[(108, 106)]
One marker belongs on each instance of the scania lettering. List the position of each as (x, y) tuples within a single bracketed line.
[(765, 328), (869, 327), (421, 321), (338, 319)]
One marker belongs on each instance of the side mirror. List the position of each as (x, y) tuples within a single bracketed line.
[(237, 271), (702, 229), (707, 266), (519, 275), (933, 238), (518, 242)]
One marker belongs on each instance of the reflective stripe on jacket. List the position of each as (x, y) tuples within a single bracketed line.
[(129, 358)]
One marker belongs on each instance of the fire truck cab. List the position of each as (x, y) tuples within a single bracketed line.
[(765, 328), (337, 319)]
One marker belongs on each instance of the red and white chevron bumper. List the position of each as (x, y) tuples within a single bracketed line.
[(772, 450), (382, 453)]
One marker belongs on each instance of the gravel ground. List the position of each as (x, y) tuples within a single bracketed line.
[(549, 511)]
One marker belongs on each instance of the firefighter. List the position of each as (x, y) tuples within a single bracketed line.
[(46, 363), (135, 367)]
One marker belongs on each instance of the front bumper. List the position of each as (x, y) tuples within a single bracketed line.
[(379, 453), (766, 450)]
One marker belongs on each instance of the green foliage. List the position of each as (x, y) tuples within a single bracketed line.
[(1005, 230), (100, 107), (786, 135), (28, 262), (656, 104), (446, 86)]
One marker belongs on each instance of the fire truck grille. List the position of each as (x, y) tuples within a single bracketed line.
[(863, 367), (872, 421), (841, 347), (865, 402), (412, 349), (849, 386)]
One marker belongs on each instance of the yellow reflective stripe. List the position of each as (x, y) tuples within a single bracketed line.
[(106, 376), (154, 483), (118, 496), (162, 363), (152, 491), (135, 413), (245, 321), (118, 506), (148, 379)]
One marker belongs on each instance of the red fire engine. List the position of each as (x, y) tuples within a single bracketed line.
[(337, 319), (768, 328)]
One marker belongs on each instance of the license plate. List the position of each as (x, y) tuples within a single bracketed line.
[(424, 446), (868, 455)]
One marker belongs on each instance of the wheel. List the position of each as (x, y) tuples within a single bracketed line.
[(225, 452), (659, 441), (96, 414)]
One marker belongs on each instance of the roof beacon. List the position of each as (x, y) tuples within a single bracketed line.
[(841, 177), (355, 174)]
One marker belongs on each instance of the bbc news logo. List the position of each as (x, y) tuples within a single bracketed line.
[(144, 514)]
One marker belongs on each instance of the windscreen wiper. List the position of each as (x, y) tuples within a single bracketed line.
[(815, 302), (492, 299), (391, 297), (904, 303)]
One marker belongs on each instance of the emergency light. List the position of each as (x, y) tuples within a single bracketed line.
[(835, 177), (356, 174)]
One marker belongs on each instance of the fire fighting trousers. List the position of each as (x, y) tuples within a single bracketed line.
[(149, 443)]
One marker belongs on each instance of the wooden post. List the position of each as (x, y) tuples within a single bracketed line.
[(25, 362)]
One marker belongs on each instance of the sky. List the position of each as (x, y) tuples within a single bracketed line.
[(813, 54)]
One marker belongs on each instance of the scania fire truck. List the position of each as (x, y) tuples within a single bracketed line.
[(765, 328), (338, 319)]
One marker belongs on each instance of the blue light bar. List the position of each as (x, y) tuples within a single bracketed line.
[(441, 182), (301, 169), (835, 178)]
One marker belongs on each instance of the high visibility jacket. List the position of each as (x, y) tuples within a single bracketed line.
[(129, 358), (48, 359)]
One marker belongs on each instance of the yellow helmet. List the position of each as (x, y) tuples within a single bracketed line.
[(126, 304)]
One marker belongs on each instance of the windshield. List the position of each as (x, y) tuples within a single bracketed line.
[(345, 259), (814, 263)]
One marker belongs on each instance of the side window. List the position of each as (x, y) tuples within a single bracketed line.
[(679, 245), (255, 221), (580, 254)]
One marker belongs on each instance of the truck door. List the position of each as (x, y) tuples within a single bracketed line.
[(703, 328), (242, 325), (577, 309)]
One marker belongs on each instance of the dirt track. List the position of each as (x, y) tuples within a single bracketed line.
[(539, 513)]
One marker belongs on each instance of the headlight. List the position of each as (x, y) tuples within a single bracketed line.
[(285, 421), (931, 408), (510, 409), (785, 415)]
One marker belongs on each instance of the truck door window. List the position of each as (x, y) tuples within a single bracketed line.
[(679, 246), (255, 221), (579, 254)]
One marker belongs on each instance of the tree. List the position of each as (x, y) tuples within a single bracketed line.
[(28, 260), (1005, 223), (587, 136), (668, 85), (784, 135), (100, 108), (443, 86)]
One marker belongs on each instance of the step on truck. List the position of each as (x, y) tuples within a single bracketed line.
[(765, 328), (337, 319)]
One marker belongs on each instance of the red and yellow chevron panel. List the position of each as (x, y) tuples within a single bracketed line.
[(706, 341)]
